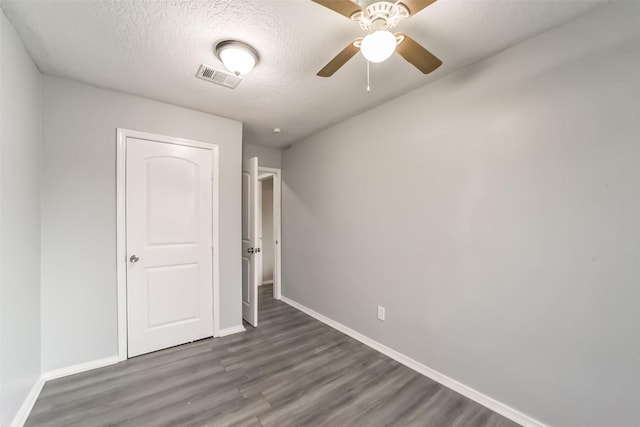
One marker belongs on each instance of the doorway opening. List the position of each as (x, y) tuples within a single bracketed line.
[(269, 225), (266, 239)]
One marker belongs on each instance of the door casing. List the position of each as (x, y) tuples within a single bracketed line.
[(121, 236)]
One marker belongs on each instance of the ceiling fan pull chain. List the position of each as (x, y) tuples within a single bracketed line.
[(368, 79)]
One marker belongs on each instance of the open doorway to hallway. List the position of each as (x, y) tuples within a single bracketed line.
[(269, 226), (265, 230)]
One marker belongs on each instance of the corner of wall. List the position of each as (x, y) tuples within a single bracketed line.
[(270, 157), (21, 137), (1, 326)]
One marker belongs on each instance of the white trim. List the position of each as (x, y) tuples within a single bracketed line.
[(267, 170), (230, 331), (29, 401), (277, 234), (27, 405), (121, 232), (267, 282), (277, 227), (121, 242), (215, 238), (484, 400), (81, 367)]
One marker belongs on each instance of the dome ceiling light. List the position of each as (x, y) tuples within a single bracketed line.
[(237, 57)]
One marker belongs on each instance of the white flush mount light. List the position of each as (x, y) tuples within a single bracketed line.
[(237, 57), (378, 46)]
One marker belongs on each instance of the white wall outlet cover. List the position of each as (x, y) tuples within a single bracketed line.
[(381, 313)]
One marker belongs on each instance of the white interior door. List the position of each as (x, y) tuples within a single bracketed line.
[(250, 244), (169, 253)]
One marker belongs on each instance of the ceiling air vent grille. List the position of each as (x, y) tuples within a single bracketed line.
[(222, 78)]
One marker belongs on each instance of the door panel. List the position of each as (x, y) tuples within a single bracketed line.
[(168, 220), (172, 214), (246, 181), (250, 241), (172, 294)]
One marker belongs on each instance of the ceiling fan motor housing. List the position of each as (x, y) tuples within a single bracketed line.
[(381, 15)]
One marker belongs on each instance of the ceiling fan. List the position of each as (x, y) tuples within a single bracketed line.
[(377, 20)]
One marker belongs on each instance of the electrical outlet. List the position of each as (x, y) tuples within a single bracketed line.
[(381, 313)]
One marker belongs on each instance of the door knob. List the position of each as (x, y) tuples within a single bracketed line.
[(250, 250), (258, 250), (134, 258)]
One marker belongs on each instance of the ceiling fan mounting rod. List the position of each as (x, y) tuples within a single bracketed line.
[(381, 14)]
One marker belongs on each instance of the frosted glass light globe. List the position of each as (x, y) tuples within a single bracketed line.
[(237, 57), (237, 60), (378, 46)]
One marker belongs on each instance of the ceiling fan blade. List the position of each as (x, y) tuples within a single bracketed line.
[(416, 6), (340, 59), (343, 7), (420, 57)]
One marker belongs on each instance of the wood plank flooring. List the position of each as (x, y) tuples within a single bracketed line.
[(290, 371)]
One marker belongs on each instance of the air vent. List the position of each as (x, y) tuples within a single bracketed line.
[(222, 78)]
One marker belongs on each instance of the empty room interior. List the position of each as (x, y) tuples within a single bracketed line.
[(320, 213)]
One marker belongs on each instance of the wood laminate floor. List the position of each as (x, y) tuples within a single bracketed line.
[(290, 371)]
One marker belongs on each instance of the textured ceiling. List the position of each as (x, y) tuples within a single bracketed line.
[(153, 49)]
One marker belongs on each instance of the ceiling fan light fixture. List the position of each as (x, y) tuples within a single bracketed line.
[(237, 57), (378, 46)]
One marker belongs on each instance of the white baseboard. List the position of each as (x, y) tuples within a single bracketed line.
[(30, 400), (446, 381), (230, 331), (27, 405), (267, 282), (82, 367)]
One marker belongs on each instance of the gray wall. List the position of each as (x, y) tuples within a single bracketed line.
[(267, 156), (267, 230), (505, 244), (79, 212), (20, 134)]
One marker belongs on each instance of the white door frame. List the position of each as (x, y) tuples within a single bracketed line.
[(121, 232), (277, 225)]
